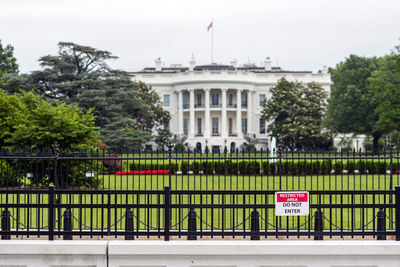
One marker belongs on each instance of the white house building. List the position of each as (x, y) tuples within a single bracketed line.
[(220, 105)]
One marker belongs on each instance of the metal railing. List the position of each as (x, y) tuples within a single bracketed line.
[(194, 214), (196, 195)]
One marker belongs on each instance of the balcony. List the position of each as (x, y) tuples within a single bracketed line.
[(199, 105), (215, 105), (231, 105), (215, 134), (185, 106), (199, 135)]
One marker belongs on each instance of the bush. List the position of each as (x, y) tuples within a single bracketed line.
[(338, 167), (265, 167), (185, 167), (179, 148), (112, 164), (350, 166), (250, 148), (361, 165), (207, 167), (9, 177), (195, 167), (326, 166)]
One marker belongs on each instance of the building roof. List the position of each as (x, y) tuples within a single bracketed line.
[(250, 68)]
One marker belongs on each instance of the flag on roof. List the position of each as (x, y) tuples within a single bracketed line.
[(209, 26)]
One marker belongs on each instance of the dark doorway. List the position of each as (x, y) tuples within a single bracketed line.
[(233, 147), (198, 147)]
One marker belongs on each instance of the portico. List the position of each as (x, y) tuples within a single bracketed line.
[(218, 115)]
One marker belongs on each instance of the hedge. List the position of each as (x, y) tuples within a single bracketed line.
[(254, 167)]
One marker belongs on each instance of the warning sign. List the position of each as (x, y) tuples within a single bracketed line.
[(292, 203)]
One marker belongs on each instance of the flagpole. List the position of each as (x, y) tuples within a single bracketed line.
[(212, 42)]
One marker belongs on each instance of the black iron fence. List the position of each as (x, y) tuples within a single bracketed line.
[(165, 194), (194, 214)]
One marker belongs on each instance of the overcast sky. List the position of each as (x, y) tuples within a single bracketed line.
[(296, 34)]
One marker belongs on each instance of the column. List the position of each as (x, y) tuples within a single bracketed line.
[(207, 132), (249, 111), (223, 114), (180, 112), (191, 113), (239, 112)]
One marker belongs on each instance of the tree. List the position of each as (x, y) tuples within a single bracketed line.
[(28, 121), (8, 63), (295, 113), (385, 87), (351, 106), (127, 112)]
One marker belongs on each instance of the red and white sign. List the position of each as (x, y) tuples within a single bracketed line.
[(292, 203)]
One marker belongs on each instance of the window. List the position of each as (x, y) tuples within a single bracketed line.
[(244, 100), (230, 122), (214, 99), (166, 100), (244, 125), (214, 125), (230, 100), (262, 99), (198, 100), (199, 126), (186, 101), (185, 126), (262, 126)]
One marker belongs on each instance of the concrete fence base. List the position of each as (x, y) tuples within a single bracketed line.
[(200, 253)]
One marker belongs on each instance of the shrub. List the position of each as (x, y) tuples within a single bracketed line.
[(338, 167), (111, 164), (9, 176), (326, 166), (179, 148), (273, 167), (265, 167), (207, 167), (250, 148), (350, 166), (195, 167), (185, 167), (371, 167), (361, 165)]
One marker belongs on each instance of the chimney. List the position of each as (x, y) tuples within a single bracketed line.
[(192, 64), (234, 63), (267, 64), (158, 64)]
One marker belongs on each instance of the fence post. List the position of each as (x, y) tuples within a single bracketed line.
[(381, 224), (255, 225), (67, 224), (167, 220), (129, 224), (5, 224), (55, 159), (192, 227), (318, 225), (51, 212), (170, 146), (397, 211)]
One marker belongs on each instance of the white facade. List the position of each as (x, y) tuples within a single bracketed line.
[(220, 105)]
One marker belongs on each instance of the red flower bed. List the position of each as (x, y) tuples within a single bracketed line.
[(142, 172)]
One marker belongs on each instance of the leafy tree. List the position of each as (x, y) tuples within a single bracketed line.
[(385, 88), (8, 63), (351, 106), (127, 112), (295, 113), (28, 121)]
